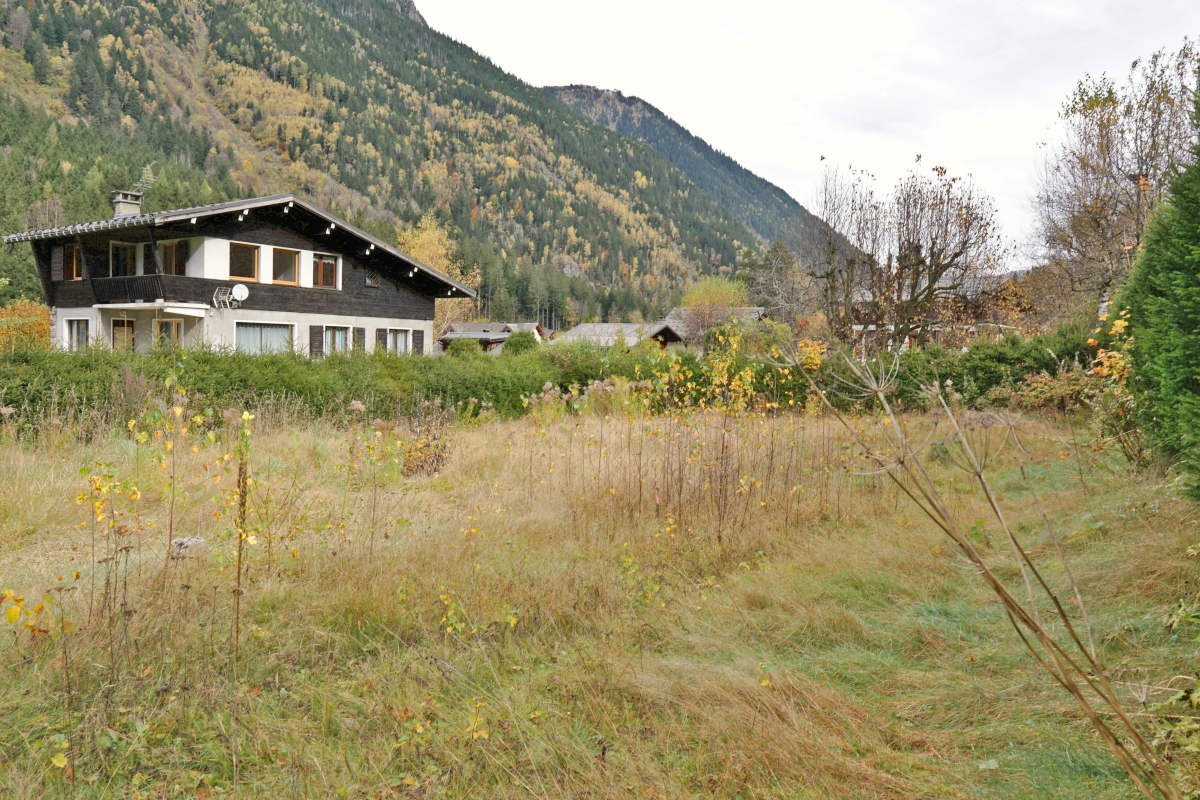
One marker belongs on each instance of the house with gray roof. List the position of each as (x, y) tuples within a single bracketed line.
[(268, 274), (681, 326), (490, 336), (606, 334)]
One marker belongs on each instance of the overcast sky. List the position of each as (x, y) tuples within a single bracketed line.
[(974, 85)]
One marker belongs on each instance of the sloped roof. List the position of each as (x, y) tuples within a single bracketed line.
[(477, 327), (286, 203), (681, 322), (605, 334)]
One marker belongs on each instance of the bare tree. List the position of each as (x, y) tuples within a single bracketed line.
[(894, 261), (853, 242), (1119, 150), (47, 213), (779, 283), (18, 27)]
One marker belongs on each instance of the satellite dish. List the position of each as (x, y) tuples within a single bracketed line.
[(240, 292)]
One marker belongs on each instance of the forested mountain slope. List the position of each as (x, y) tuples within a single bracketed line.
[(359, 105), (755, 202)]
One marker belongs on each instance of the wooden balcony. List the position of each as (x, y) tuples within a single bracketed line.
[(128, 289)]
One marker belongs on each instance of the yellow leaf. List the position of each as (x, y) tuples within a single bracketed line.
[(12, 613), (59, 760)]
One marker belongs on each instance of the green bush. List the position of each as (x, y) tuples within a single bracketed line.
[(520, 342), (89, 391), (464, 348)]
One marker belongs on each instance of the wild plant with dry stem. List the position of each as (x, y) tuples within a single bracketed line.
[(1067, 654)]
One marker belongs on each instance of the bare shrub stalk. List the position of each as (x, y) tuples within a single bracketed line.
[(1068, 656)]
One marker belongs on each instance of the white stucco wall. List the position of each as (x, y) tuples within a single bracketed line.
[(220, 327)]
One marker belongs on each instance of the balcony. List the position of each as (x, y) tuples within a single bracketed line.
[(128, 288)]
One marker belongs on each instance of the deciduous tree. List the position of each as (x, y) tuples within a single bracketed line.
[(430, 243), (777, 281), (707, 303), (1119, 149), (891, 262)]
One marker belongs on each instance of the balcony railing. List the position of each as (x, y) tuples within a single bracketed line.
[(127, 289)]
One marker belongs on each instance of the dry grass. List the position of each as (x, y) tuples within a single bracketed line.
[(581, 606)]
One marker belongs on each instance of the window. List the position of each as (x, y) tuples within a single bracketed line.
[(78, 335), (122, 259), (174, 258), (393, 340), (72, 266), (372, 279), (285, 266), (325, 271), (122, 334), (243, 262), (170, 333), (337, 340), (261, 337)]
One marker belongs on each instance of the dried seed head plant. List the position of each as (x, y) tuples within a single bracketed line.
[(1061, 642)]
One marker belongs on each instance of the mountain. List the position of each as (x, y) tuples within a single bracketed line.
[(763, 207), (359, 105)]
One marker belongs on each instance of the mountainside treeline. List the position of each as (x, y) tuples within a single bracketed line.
[(755, 202), (359, 105)]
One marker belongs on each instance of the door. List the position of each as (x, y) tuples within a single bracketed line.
[(122, 335)]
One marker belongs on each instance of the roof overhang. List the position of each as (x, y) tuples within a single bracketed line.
[(340, 234), (180, 309)]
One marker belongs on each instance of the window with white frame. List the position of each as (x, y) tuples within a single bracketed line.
[(78, 334), (395, 340), (263, 337), (337, 339)]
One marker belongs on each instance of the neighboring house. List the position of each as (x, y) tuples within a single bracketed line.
[(606, 334), (271, 274), (681, 326), (539, 333), (689, 325), (490, 336)]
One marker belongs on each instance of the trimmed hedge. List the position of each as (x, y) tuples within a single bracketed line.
[(100, 387)]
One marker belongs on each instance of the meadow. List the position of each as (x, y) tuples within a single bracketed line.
[(588, 601)]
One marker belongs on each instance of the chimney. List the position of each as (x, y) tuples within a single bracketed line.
[(126, 203)]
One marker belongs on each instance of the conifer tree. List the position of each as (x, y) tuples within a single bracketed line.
[(1163, 298)]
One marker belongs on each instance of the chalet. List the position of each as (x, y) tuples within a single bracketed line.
[(270, 274), (490, 336), (689, 325), (681, 326), (606, 334)]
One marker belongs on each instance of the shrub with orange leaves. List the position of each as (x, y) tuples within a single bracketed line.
[(24, 325)]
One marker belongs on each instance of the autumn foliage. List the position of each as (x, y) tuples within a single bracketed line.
[(24, 324)]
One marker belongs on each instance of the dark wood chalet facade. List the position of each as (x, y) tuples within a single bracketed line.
[(261, 275)]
